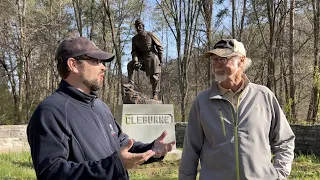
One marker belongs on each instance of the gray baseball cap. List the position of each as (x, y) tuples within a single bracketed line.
[(79, 46)]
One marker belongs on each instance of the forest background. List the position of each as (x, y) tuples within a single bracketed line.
[(281, 38)]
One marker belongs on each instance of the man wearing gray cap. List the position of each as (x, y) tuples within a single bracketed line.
[(235, 127), (73, 134)]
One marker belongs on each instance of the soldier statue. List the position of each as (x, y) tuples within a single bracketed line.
[(146, 56)]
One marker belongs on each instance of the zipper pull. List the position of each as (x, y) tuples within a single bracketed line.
[(92, 101), (222, 123)]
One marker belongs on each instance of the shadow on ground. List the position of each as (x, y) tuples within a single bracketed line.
[(23, 164)]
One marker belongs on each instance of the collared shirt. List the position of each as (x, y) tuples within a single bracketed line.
[(233, 96)]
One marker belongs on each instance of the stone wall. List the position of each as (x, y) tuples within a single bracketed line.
[(307, 137), (180, 129), (14, 138)]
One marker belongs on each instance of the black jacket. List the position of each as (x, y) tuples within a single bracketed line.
[(73, 135)]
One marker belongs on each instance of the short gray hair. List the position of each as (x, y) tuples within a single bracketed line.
[(247, 64)]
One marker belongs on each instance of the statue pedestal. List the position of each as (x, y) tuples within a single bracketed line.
[(146, 122)]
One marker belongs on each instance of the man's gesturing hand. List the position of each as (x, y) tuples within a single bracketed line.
[(160, 147), (131, 160)]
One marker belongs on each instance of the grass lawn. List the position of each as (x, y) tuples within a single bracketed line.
[(19, 166), (16, 166)]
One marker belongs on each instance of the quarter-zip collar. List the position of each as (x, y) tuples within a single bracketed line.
[(74, 93), (224, 91)]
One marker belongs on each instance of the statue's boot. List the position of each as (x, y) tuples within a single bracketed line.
[(155, 83), (130, 70)]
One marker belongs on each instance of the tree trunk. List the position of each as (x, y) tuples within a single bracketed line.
[(244, 9), (233, 31), (92, 19), (105, 86), (21, 61), (314, 101), (116, 43), (271, 83), (292, 116), (12, 81), (207, 9), (78, 14)]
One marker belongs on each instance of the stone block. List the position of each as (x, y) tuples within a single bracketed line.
[(11, 140), (4, 133), (7, 145), (14, 149), (174, 155), (18, 133), (18, 144), (312, 139), (146, 122)]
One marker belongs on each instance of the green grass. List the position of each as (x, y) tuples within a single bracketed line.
[(14, 166), (166, 170), (306, 167)]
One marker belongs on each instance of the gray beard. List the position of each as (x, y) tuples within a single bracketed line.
[(220, 78)]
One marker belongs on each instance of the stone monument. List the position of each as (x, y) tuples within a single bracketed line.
[(141, 117)]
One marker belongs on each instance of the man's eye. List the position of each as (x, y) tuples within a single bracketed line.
[(96, 61)]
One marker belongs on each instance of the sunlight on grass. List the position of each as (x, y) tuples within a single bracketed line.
[(161, 175), (18, 166), (306, 167)]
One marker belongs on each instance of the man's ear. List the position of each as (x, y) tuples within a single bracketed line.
[(241, 61), (73, 65)]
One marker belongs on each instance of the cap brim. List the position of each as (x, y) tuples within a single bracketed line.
[(102, 55), (219, 52)]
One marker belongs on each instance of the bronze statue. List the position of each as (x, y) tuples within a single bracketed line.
[(146, 56)]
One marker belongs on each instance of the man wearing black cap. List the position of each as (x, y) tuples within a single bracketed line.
[(236, 128), (147, 56), (72, 134)]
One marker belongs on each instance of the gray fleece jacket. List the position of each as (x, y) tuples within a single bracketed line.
[(237, 143)]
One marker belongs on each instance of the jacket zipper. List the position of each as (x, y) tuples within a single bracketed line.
[(236, 137), (92, 102), (222, 123)]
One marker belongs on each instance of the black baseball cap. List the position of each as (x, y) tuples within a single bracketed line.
[(79, 46)]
